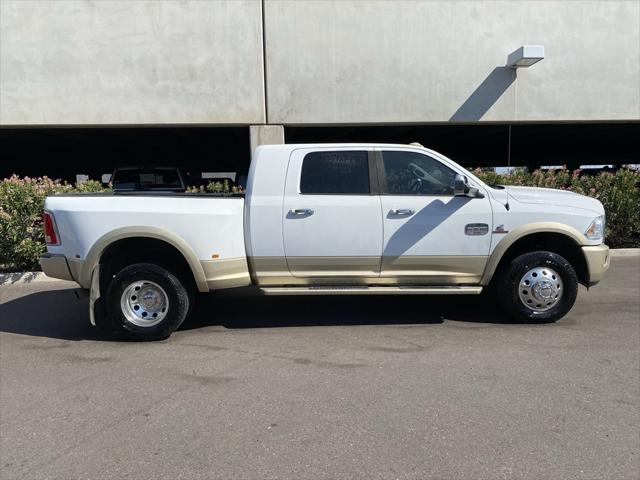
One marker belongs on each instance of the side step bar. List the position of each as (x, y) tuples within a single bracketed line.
[(374, 290)]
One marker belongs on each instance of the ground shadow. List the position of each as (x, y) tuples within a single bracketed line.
[(59, 314), (247, 308), (485, 96), (52, 313)]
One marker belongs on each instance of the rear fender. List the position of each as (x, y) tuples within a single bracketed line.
[(95, 253)]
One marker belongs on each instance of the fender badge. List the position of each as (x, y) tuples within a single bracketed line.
[(476, 229), (500, 229)]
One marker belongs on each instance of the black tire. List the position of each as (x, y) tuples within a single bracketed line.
[(177, 297), (192, 293), (508, 287)]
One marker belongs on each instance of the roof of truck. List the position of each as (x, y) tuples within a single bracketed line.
[(291, 146)]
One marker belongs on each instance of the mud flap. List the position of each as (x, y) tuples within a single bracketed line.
[(94, 296)]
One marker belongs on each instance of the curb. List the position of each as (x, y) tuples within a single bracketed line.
[(625, 252), (22, 278)]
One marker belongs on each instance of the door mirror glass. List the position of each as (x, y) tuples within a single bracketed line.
[(460, 185)]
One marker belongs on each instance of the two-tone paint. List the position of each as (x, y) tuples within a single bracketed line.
[(282, 240)]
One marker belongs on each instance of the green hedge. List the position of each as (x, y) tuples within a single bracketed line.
[(619, 192), (21, 204), (22, 200), (223, 186)]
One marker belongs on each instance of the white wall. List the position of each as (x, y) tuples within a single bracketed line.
[(416, 61), (172, 62), (129, 62)]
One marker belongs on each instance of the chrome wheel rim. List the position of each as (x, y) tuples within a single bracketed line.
[(144, 303), (540, 289)]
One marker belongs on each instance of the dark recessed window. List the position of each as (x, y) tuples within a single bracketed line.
[(412, 173), (341, 172)]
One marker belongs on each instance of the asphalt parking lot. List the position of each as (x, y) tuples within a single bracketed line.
[(318, 387)]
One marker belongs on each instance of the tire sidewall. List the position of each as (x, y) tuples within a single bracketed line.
[(176, 294), (511, 286)]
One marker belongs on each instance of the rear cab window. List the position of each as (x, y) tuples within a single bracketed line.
[(138, 179), (343, 172)]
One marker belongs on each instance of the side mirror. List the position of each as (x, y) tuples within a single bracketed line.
[(460, 185), (105, 179)]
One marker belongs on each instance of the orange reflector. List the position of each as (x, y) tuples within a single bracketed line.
[(215, 255)]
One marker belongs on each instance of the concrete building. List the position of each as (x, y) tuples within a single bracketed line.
[(86, 85)]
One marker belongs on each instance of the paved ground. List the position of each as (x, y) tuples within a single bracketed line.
[(393, 387)]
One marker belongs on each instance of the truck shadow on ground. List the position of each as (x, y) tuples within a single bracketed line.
[(246, 308), (59, 314)]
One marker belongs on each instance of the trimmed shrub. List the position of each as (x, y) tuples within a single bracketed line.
[(21, 205), (619, 193), (223, 187)]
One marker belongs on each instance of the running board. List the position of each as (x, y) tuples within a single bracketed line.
[(364, 290)]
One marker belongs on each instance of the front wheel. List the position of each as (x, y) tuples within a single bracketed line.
[(146, 302), (538, 287)]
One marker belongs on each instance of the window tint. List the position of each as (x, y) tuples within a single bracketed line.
[(146, 179), (412, 173), (345, 172)]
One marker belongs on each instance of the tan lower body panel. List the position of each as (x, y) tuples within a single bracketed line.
[(334, 266), (55, 266), (375, 290), (270, 271), (75, 266), (598, 261), (229, 273), (433, 270), (414, 270)]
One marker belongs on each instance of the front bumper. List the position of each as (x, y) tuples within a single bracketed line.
[(55, 265), (598, 261)]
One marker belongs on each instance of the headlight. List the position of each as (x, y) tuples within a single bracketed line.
[(596, 229)]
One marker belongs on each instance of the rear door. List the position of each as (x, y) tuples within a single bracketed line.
[(332, 221), (430, 235)]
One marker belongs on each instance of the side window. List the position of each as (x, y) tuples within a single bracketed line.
[(412, 173), (341, 172)]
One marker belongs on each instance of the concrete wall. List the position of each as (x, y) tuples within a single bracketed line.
[(116, 62), (403, 61), (173, 62)]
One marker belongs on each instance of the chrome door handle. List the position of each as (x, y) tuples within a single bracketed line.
[(301, 211), (402, 211)]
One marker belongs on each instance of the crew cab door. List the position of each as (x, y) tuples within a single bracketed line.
[(430, 235), (332, 225)]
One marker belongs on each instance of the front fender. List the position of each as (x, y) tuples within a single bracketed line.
[(522, 231)]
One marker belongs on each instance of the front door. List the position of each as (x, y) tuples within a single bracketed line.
[(430, 236), (332, 225)]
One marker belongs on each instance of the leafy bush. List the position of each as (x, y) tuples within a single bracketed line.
[(21, 204), (619, 192), (216, 187)]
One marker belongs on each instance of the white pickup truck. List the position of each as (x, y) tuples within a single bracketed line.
[(327, 219)]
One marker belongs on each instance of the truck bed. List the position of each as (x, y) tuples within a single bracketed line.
[(207, 228)]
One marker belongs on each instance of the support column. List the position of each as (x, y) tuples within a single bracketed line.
[(265, 135)]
